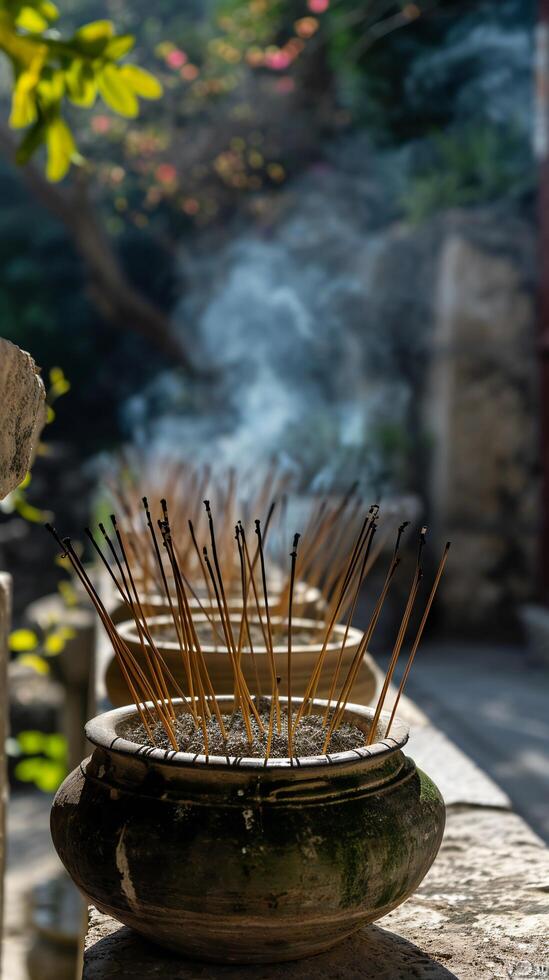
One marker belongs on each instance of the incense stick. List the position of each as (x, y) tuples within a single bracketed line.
[(150, 681)]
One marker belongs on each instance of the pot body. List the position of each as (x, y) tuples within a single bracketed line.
[(247, 863), (305, 657)]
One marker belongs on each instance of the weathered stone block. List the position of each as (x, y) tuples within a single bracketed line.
[(22, 414)]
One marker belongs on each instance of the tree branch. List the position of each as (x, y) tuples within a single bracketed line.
[(108, 286)]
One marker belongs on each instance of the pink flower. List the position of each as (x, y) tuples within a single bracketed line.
[(318, 6), (100, 124), (278, 60), (166, 173), (176, 58)]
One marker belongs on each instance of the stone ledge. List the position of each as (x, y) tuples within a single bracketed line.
[(481, 910)]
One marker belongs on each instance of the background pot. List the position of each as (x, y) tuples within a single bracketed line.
[(242, 861), (308, 602), (305, 656)]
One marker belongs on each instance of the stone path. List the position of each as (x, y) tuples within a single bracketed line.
[(493, 703)]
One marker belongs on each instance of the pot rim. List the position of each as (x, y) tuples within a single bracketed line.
[(102, 731), (304, 593), (128, 631)]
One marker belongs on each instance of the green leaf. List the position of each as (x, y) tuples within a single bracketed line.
[(116, 92), (28, 769), (61, 149), (55, 747), (81, 85), (31, 742), (44, 773), (21, 641), (50, 776), (141, 82), (35, 662), (119, 46)]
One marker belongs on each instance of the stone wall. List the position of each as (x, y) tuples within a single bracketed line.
[(480, 411)]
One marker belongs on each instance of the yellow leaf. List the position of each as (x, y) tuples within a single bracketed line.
[(68, 593), (25, 481), (50, 414), (24, 51), (119, 46), (54, 644), (35, 662), (116, 92), (23, 104), (61, 149), (81, 83), (31, 20), (30, 513), (51, 86), (22, 640), (56, 375), (142, 82), (48, 10), (97, 30)]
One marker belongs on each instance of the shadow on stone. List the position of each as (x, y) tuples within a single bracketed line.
[(370, 953)]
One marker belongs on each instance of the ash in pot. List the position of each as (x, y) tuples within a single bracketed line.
[(308, 739)]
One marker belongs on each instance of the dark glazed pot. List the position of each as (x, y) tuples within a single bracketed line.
[(241, 862)]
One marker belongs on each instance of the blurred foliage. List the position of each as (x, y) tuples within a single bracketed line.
[(41, 759), (471, 165), (34, 649), (254, 91), (49, 69)]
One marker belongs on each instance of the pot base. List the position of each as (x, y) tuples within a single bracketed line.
[(203, 944)]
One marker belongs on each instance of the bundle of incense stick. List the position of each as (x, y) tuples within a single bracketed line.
[(151, 683), (331, 527), (232, 494)]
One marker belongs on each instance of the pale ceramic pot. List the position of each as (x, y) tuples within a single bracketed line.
[(308, 603), (305, 653), (242, 861)]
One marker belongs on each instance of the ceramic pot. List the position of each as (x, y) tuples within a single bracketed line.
[(308, 602), (238, 861), (305, 654)]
